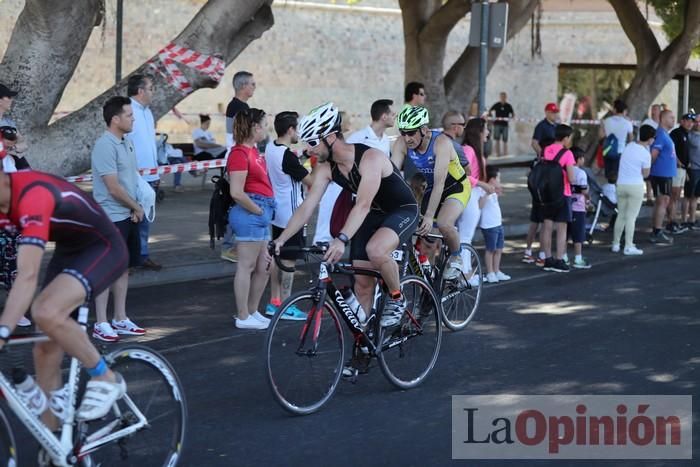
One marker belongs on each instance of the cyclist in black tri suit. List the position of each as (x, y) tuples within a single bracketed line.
[(385, 213), (90, 254)]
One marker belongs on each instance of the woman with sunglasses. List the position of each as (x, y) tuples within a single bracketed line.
[(251, 216), (448, 188)]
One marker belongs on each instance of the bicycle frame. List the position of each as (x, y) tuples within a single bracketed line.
[(62, 450)]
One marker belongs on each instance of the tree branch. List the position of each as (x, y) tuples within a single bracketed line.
[(637, 29), (444, 19), (44, 49)]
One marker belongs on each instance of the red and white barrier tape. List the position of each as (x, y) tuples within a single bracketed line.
[(165, 63), (164, 169)]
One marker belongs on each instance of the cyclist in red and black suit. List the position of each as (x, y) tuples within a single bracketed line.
[(90, 254)]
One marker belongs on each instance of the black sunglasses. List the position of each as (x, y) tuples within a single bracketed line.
[(314, 142), (409, 132)]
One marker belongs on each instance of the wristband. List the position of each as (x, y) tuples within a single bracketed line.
[(343, 238)]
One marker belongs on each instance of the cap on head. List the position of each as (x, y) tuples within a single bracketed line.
[(551, 107), (689, 116), (8, 133), (6, 92), (320, 122), (411, 118)]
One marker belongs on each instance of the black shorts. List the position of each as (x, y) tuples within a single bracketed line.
[(536, 214), (661, 185), (612, 167), (403, 221), (692, 186), (298, 239), (130, 234), (558, 213), (96, 264), (577, 227)]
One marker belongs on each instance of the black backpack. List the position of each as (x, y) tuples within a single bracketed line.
[(219, 205), (546, 182)]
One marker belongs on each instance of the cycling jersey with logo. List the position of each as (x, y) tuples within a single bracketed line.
[(425, 163), (393, 193), (45, 208)]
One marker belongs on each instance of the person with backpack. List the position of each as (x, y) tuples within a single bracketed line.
[(617, 131), (551, 191)]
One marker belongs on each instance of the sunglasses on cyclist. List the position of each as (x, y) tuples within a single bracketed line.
[(313, 142), (408, 132)]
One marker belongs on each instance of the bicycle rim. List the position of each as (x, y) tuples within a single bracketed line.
[(8, 447), (410, 349), (156, 391), (304, 358), (459, 298)]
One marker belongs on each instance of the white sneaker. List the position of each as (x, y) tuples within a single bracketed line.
[(128, 328), (99, 398), (492, 278), (502, 277), (633, 251), (104, 332), (257, 315), (453, 271), (250, 323), (24, 322), (474, 281), (615, 248)]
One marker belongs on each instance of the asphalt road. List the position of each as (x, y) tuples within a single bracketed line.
[(626, 326)]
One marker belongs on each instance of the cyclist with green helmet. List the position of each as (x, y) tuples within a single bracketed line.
[(448, 188), (385, 213)]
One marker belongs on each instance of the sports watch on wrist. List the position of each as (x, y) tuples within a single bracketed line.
[(343, 238), (5, 333)]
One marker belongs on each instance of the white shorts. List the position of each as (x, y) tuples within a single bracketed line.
[(679, 179)]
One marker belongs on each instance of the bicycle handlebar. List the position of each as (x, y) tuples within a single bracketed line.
[(342, 268)]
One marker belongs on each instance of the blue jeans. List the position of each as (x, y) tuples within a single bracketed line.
[(177, 176)]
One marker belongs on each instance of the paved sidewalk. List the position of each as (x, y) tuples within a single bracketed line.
[(180, 239)]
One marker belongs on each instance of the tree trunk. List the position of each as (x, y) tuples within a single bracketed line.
[(427, 25), (462, 79), (655, 67), (64, 146)]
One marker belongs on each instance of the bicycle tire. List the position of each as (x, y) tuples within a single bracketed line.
[(8, 445), (302, 378), (459, 299), (417, 337), (155, 389)]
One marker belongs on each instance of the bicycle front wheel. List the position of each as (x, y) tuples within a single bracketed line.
[(409, 350), (305, 358), (460, 297), (154, 391), (8, 446)]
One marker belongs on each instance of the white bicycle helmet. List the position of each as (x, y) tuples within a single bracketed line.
[(320, 122), (412, 118)]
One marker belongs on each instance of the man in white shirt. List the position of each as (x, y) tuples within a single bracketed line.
[(373, 135), (205, 146), (143, 137), (619, 125)]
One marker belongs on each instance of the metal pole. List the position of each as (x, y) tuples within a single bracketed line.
[(686, 93), (118, 57), (484, 55)]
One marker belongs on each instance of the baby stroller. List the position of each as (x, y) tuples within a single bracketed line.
[(604, 206)]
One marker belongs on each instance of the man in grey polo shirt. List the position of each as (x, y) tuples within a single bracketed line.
[(115, 182)]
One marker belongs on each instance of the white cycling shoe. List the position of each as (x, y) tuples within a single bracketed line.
[(99, 398)]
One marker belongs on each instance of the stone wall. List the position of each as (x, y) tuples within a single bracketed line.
[(352, 55)]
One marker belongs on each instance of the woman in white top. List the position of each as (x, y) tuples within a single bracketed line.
[(635, 163)]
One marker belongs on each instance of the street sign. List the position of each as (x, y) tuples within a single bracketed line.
[(498, 25)]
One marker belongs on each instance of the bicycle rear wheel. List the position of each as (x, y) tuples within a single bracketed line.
[(410, 349), (460, 298), (8, 446), (304, 360), (155, 390)]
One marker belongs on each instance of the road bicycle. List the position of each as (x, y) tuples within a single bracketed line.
[(459, 298), (145, 427), (305, 359)]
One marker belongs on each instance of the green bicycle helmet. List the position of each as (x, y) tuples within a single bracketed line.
[(412, 118)]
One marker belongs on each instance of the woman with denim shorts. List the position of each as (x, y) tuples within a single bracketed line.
[(251, 216)]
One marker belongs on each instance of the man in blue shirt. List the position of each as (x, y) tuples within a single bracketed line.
[(663, 169)]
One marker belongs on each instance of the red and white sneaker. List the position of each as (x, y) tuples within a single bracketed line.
[(104, 332), (128, 327)]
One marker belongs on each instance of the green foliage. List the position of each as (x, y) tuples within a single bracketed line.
[(672, 13), (596, 87)]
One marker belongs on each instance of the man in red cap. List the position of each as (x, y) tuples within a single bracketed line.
[(542, 136)]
